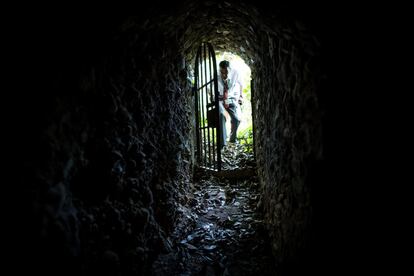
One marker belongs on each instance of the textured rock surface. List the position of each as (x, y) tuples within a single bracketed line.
[(107, 160), (106, 151), (288, 137)]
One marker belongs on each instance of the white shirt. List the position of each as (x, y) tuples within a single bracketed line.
[(234, 84)]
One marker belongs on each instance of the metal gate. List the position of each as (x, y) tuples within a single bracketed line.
[(208, 123)]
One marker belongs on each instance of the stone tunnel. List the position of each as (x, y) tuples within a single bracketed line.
[(105, 129)]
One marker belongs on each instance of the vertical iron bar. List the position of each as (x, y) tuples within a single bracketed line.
[(197, 108), (217, 108), (211, 98), (202, 108), (206, 95)]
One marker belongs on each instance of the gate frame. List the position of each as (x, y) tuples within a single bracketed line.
[(199, 89)]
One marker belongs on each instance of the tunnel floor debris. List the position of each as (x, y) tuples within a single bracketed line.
[(225, 233)]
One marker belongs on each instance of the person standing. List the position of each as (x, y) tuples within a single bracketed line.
[(231, 97)]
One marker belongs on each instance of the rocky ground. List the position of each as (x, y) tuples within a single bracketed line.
[(224, 233)]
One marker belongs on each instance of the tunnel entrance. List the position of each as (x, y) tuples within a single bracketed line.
[(245, 130), (236, 154), (223, 126)]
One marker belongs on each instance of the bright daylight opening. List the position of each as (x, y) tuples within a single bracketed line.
[(245, 131)]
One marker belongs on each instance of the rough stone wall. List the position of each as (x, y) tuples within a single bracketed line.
[(106, 157), (288, 135)]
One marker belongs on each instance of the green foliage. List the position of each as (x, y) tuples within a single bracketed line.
[(245, 137), (247, 92)]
